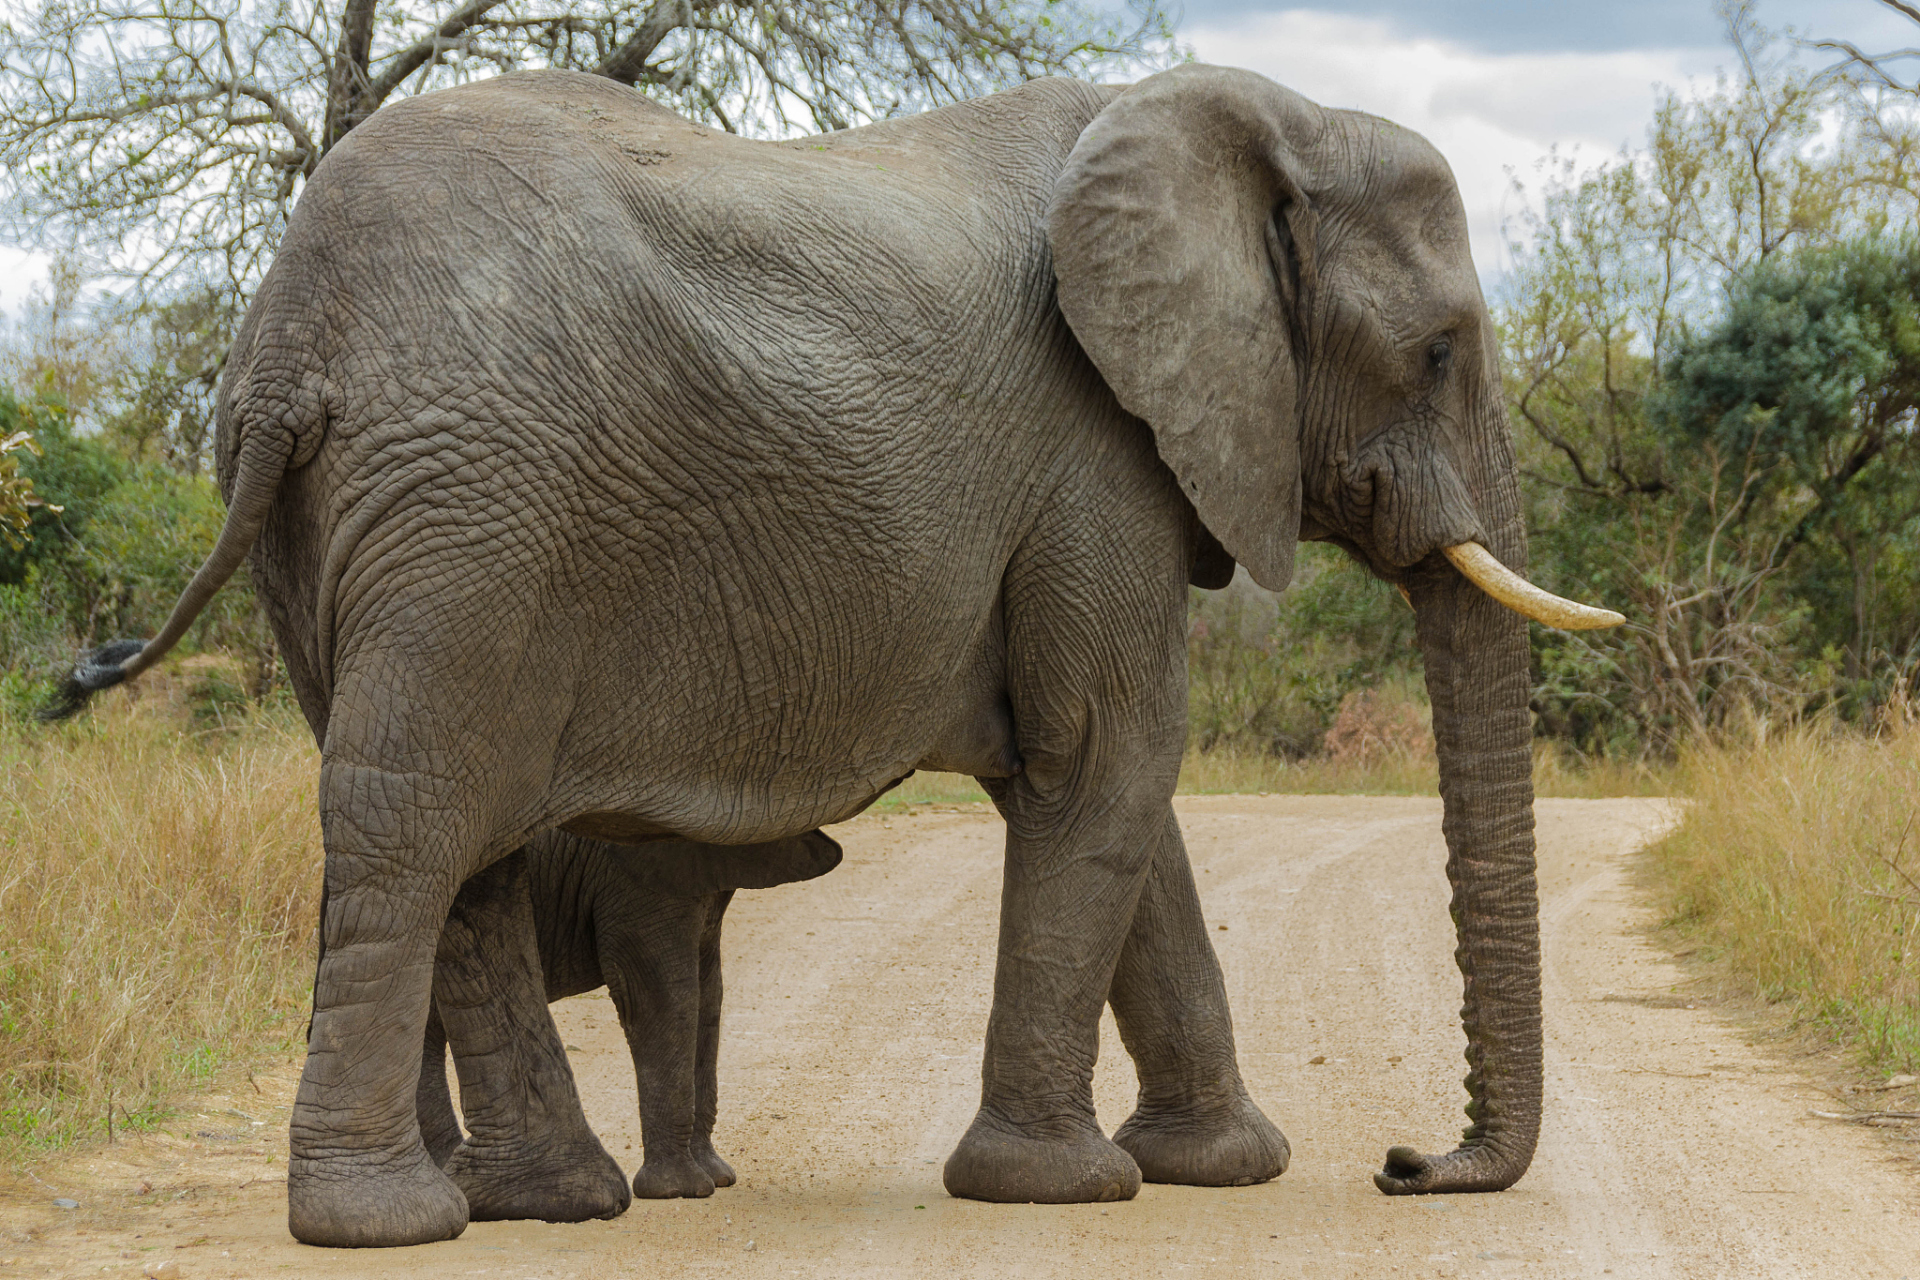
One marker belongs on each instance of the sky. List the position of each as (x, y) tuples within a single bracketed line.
[(1496, 85), (1499, 85)]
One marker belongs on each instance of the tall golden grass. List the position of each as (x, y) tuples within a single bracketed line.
[(158, 892), (1797, 869)]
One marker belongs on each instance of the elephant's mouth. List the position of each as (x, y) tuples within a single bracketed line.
[(1480, 567), (1403, 490)]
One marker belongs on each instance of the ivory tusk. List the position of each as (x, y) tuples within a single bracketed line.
[(1479, 567)]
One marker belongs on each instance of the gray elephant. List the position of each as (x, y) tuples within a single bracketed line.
[(604, 472), (645, 923)]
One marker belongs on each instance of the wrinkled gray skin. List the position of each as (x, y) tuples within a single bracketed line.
[(605, 472), (644, 923)]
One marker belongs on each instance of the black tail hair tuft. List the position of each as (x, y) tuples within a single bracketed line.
[(104, 668)]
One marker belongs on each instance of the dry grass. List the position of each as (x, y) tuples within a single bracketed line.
[(158, 891), (1229, 772), (1409, 773), (1797, 871), (1566, 775)]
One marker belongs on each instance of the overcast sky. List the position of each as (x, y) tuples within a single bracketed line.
[(1495, 84), (1498, 84)]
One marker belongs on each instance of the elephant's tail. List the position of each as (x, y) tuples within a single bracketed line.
[(262, 460)]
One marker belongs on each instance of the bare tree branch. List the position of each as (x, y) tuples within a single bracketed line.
[(626, 63), (167, 140), (416, 55)]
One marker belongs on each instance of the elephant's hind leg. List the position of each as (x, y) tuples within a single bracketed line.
[(357, 1172), (1194, 1123), (529, 1152)]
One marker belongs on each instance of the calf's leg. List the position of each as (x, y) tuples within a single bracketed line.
[(706, 1084), (650, 954), (529, 1152), (439, 1127)]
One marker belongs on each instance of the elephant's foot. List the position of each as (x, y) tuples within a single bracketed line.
[(676, 1175), (348, 1203), (560, 1181), (1234, 1146), (997, 1161), (719, 1170), (1475, 1168)]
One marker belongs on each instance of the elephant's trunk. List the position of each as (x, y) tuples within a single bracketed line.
[(1477, 677)]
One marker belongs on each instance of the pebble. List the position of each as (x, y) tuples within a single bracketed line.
[(64, 1203), (168, 1270)]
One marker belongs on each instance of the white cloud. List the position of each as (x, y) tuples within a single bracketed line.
[(1486, 112)]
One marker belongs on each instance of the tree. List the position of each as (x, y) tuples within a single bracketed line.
[(163, 400), (1647, 299), (106, 548), (1877, 69), (170, 138), (1813, 374), (1618, 258)]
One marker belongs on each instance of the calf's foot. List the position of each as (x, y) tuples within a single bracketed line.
[(676, 1176), (719, 1170), (1233, 1145), (368, 1202), (1072, 1164), (570, 1180)]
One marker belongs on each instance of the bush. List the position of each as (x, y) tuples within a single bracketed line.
[(115, 557), (1267, 673), (1371, 728)]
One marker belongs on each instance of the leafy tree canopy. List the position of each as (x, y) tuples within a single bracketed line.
[(1814, 366)]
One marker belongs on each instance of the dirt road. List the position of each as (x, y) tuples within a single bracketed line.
[(856, 1005)]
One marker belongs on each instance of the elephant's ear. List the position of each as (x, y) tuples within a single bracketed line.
[(1183, 244)]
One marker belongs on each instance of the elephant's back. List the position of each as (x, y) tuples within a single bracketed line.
[(602, 261)]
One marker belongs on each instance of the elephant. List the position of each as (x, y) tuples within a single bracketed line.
[(606, 472), (645, 923)]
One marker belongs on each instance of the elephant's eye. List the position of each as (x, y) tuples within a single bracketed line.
[(1439, 357)]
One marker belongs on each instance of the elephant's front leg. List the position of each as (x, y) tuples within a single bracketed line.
[(1195, 1123), (529, 1152), (1071, 884)]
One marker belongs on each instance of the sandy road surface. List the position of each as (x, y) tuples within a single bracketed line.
[(856, 1005)]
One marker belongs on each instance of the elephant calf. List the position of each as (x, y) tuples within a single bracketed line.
[(645, 922)]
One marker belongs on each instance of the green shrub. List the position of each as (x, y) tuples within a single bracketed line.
[(1267, 673)]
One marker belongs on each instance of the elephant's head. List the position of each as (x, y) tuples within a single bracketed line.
[(1285, 295)]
